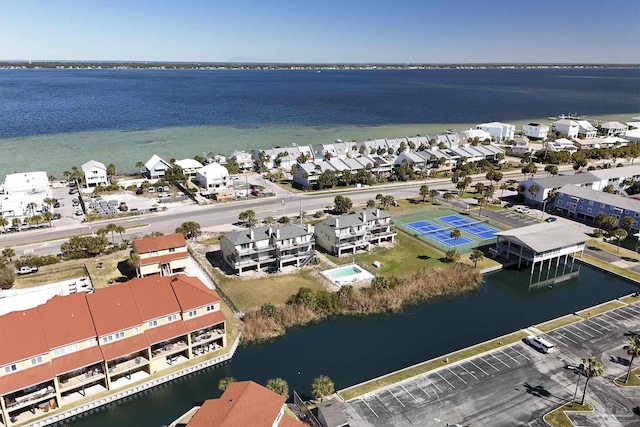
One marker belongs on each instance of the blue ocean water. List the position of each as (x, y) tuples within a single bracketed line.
[(51, 101)]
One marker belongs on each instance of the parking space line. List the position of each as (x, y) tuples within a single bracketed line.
[(509, 356), (423, 390), (499, 360), (382, 403), (611, 313), (394, 396), (514, 349), (445, 380), (627, 308), (408, 392), (581, 331), (490, 364), (370, 408), (485, 372), (565, 331), (594, 329), (448, 369), (468, 372), (555, 339), (566, 337), (434, 384), (602, 319)]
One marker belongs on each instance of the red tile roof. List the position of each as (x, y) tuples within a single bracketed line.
[(200, 322), (66, 320), (76, 360), (165, 332), (124, 347), (159, 243), (242, 404), (21, 336), (113, 309), (25, 378), (154, 297), (164, 259), (192, 293)]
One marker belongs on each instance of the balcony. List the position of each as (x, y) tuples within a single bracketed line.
[(253, 249), (254, 261), (88, 376), (201, 338), (128, 365), (168, 349), (19, 400)]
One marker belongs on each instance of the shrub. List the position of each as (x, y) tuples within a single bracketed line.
[(36, 261)]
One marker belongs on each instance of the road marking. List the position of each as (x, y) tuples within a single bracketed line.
[(470, 373), (566, 329), (382, 403), (601, 318), (456, 375), (630, 307), (394, 396), (370, 408), (609, 314), (627, 308), (556, 340), (423, 390), (490, 364), (485, 372), (583, 331), (500, 360), (445, 380), (408, 392), (434, 384), (594, 329), (566, 337), (509, 356), (514, 349)]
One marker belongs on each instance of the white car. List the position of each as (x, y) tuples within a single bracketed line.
[(522, 209)]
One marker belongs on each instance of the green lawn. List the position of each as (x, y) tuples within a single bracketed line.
[(630, 299), (557, 417), (594, 311), (407, 256), (375, 384), (634, 379)]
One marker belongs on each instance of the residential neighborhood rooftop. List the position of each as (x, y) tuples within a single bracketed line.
[(544, 236)]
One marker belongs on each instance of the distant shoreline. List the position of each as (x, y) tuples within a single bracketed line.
[(159, 65)]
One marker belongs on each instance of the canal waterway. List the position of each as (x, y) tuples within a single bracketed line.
[(354, 349)]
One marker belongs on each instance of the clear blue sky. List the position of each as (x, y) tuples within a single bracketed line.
[(329, 31)]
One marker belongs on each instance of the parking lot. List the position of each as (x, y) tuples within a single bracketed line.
[(515, 385)]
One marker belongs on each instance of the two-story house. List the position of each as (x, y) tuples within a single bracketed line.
[(537, 131), (566, 127), (267, 247), (95, 173), (155, 167), (164, 255), (356, 230)]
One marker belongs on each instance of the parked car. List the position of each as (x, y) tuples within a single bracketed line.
[(522, 209), (27, 270), (123, 207), (56, 216), (79, 212), (56, 205), (152, 189), (551, 219), (73, 191), (139, 191)]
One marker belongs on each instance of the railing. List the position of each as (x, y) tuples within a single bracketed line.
[(169, 349), (126, 366), (84, 378), (29, 399), (208, 336)]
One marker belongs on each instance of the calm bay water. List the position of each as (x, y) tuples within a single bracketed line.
[(122, 116), (354, 349)]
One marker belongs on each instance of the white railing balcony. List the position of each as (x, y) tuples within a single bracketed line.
[(128, 365)]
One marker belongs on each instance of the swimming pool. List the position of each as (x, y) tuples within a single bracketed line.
[(347, 274)]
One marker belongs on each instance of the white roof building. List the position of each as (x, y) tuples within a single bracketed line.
[(536, 131), (20, 190), (499, 131), (632, 135), (189, 166), (480, 134), (586, 129), (613, 128), (95, 173), (156, 167), (567, 127), (213, 177)]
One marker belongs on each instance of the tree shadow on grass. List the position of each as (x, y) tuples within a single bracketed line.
[(126, 270), (424, 257)]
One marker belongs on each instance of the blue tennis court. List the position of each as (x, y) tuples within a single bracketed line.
[(467, 225), (436, 232)]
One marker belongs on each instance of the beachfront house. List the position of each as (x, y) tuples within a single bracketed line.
[(586, 129), (613, 128), (243, 159), (155, 167), (537, 131), (498, 131), (632, 136), (521, 146), (21, 191), (349, 232), (189, 167), (213, 177), (80, 345), (566, 127), (562, 144), (545, 186), (267, 247), (585, 203), (244, 403), (95, 173), (476, 134), (164, 255)]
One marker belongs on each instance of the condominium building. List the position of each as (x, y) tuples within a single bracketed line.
[(356, 230), (536, 131), (267, 247), (164, 255), (82, 344)]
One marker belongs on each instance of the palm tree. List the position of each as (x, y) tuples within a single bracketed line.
[(503, 186), (8, 254), (49, 202), (600, 218), (633, 349), (455, 235), (111, 228), (278, 385), (433, 194), (139, 165), (620, 234), (424, 192), (47, 216), (225, 382), (447, 196), (533, 190), (15, 222), (593, 368), (322, 386), (4, 222), (476, 256), (31, 207), (627, 222), (134, 262), (120, 230)]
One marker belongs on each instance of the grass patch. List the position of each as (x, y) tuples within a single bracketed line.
[(407, 256), (448, 359), (249, 295), (634, 379), (558, 417), (209, 241), (613, 268), (557, 323), (594, 311), (485, 262), (612, 248), (630, 299)]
